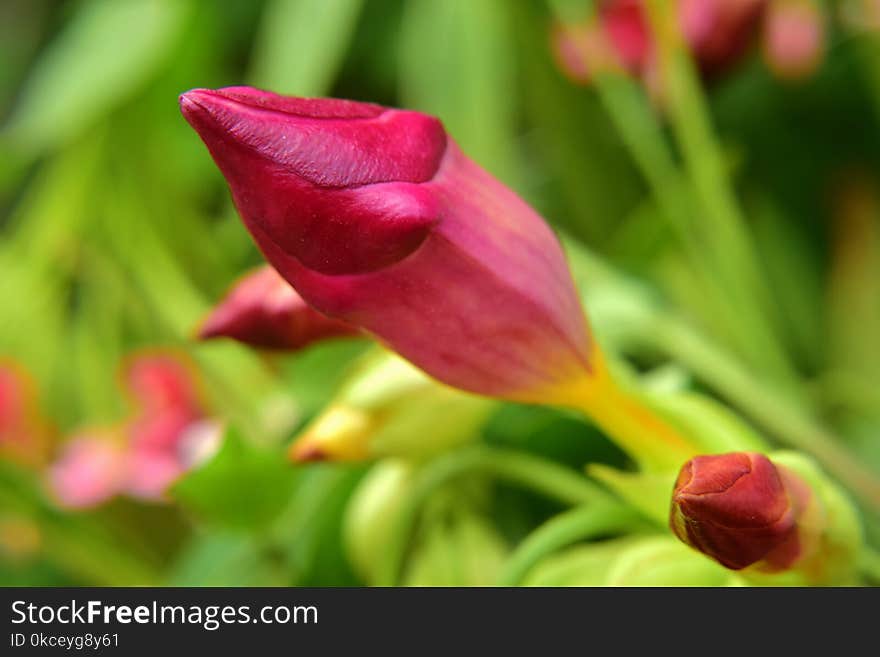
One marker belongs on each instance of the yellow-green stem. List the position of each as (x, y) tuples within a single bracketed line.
[(647, 437)]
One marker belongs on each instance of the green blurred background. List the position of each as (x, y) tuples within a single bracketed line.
[(117, 233)]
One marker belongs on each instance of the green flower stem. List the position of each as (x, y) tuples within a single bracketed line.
[(625, 417), (540, 475), (647, 325), (725, 233), (565, 529), (773, 411), (717, 244), (643, 136)]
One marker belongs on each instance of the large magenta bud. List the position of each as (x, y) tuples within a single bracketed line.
[(377, 219)]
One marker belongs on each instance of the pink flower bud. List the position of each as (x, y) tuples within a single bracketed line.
[(794, 37), (617, 38), (262, 310), (716, 31), (740, 509), (378, 219), (719, 31), (626, 26), (581, 51)]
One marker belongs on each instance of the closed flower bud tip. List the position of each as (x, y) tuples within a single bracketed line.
[(262, 310), (719, 31), (740, 509), (377, 219)]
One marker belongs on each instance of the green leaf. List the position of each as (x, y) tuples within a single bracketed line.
[(589, 184), (107, 51), (664, 561), (302, 43), (461, 548), (710, 425), (244, 487), (794, 279), (315, 374), (219, 559), (650, 493), (311, 526)]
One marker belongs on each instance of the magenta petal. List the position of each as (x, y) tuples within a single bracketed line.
[(263, 310), (305, 137), (382, 222), (300, 173)]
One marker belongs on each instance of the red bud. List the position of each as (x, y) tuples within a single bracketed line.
[(740, 509)]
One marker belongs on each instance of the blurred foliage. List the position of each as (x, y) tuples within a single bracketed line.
[(116, 232)]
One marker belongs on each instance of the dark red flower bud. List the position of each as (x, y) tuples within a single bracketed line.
[(740, 509), (262, 310)]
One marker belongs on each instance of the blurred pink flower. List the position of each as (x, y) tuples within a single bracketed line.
[(145, 454), (718, 33), (90, 469)]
